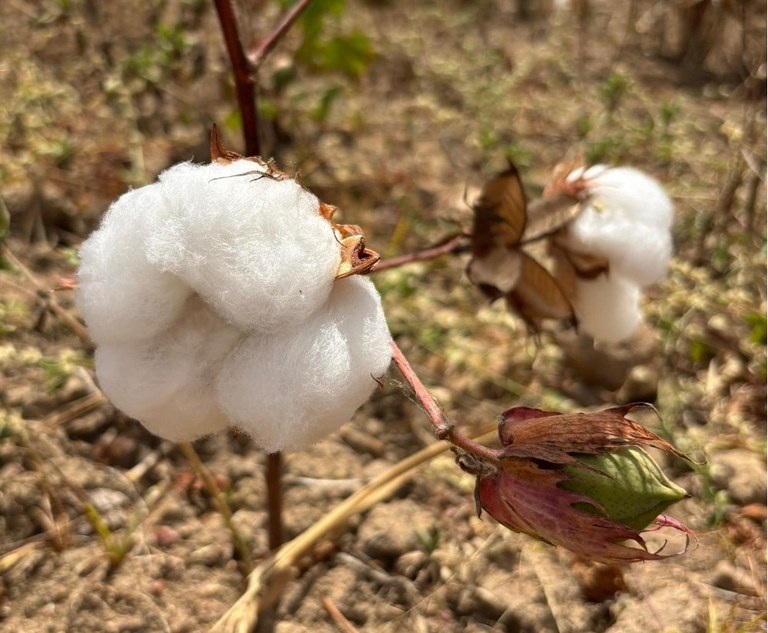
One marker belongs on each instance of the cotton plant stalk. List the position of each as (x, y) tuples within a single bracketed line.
[(224, 295)]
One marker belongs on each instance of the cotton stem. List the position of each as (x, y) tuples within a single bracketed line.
[(259, 53), (274, 473), (244, 79), (444, 427), (456, 243)]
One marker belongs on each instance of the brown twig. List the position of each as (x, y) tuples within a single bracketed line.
[(245, 83), (337, 616), (259, 52), (445, 428), (274, 473), (456, 243)]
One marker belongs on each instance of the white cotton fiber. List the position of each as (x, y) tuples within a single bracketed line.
[(607, 308), (290, 390), (121, 295), (255, 248), (168, 382), (627, 218), (212, 297)]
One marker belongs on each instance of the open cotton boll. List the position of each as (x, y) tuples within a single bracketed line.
[(627, 218), (121, 295), (607, 307), (290, 390), (167, 383), (255, 248)]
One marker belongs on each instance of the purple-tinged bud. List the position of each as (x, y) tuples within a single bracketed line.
[(580, 481)]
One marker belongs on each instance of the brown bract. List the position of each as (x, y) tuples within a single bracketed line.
[(356, 259), (570, 266), (503, 224), (556, 437)]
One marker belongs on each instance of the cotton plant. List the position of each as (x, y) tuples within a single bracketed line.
[(225, 295), (617, 245)]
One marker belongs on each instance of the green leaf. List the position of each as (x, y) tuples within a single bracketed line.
[(759, 326), (320, 113), (349, 54), (5, 220)]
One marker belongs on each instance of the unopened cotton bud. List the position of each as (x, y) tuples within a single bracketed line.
[(541, 483), (628, 485), (121, 295), (627, 218), (607, 307), (168, 381), (253, 246), (289, 390)]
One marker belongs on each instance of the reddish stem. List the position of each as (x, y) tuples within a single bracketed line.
[(445, 429), (259, 52), (274, 473), (451, 244), (244, 79)]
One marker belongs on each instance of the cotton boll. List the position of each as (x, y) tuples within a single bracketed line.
[(253, 247), (627, 218), (167, 383), (607, 308), (290, 390), (121, 295)]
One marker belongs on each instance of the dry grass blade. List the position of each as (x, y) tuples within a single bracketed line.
[(246, 562), (267, 581), (77, 328), (75, 409)]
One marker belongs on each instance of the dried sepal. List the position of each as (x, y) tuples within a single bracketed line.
[(548, 215), (223, 156), (561, 183), (218, 153), (499, 267), (555, 437), (500, 214), (538, 295), (356, 259)]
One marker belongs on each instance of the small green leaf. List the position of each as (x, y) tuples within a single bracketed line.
[(320, 113), (759, 326)]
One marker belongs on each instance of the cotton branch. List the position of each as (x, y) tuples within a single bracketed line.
[(244, 79), (445, 428), (259, 52), (456, 243)]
